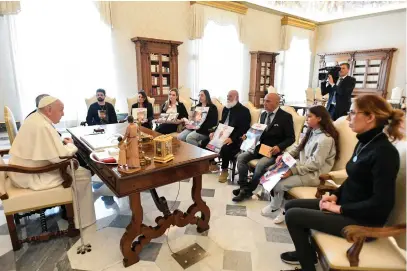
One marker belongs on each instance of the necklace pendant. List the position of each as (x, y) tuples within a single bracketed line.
[(355, 158)]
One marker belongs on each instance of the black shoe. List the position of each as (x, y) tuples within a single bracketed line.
[(242, 196), (291, 258), (236, 191)]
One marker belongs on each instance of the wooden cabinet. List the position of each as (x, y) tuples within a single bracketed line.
[(157, 67), (371, 68), (262, 69)]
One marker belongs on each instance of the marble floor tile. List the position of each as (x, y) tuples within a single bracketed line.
[(4, 229), (278, 235), (236, 233), (140, 266), (5, 244), (213, 261), (254, 208), (120, 221), (7, 261), (150, 252), (237, 260), (207, 192), (266, 256), (105, 250), (191, 230), (236, 210)]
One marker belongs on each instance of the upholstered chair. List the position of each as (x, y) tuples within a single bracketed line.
[(254, 113), (347, 143), (310, 96), (11, 124), (133, 100), (219, 105)]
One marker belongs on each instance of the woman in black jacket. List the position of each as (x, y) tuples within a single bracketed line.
[(172, 105), (367, 196), (144, 103), (200, 134)]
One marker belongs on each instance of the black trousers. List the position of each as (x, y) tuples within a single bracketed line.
[(301, 216), (227, 153), (166, 128)]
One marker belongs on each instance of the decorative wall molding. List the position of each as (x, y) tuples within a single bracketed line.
[(287, 20), (225, 5)]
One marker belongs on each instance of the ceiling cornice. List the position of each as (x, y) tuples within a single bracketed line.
[(288, 20), (225, 5)]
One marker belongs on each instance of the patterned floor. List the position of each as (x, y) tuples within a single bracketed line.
[(239, 238)]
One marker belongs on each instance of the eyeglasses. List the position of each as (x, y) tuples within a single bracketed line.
[(353, 113)]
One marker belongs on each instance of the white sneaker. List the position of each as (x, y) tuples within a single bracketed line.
[(267, 211), (280, 218)]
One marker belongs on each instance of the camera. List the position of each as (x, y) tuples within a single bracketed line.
[(324, 72)]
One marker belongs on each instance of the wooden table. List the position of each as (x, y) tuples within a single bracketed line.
[(189, 161)]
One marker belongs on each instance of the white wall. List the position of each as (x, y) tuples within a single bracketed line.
[(169, 20), (382, 31)]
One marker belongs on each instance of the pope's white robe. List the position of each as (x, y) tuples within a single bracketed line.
[(38, 144)]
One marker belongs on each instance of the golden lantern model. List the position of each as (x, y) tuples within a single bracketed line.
[(163, 149)]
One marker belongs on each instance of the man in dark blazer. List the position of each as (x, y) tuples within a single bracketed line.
[(279, 134), (236, 115), (340, 93)]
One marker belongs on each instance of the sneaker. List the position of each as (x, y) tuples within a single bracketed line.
[(223, 177), (236, 191), (290, 257), (268, 210), (280, 218)]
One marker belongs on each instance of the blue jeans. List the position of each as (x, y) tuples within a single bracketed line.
[(192, 137), (243, 169)]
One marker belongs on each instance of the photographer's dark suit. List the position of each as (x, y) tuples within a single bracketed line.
[(280, 132), (339, 96)]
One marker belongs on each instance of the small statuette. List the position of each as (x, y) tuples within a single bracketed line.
[(355, 158)]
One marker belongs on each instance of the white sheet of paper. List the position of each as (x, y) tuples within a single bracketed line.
[(272, 181)]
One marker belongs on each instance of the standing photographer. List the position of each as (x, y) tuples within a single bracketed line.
[(340, 92)]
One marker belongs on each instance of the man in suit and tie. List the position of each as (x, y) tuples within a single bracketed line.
[(340, 93), (279, 134)]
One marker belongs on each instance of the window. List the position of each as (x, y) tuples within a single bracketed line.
[(63, 49), (218, 61), (293, 70)]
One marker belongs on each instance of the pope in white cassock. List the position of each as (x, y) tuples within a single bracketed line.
[(38, 144)]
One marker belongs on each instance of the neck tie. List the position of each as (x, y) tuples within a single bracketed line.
[(340, 80), (269, 118)]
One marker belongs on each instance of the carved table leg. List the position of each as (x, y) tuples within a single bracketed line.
[(203, 222), (132, 231)]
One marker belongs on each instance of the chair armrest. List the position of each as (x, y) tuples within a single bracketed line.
[(322, 189), (338, 176), (358, 234), (61, 166), (4, 152), (353, 232)]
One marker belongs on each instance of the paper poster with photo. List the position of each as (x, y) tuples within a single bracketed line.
[(274, 173), (172, 117), (139, 114), (163, 117), (198, 117), (253, 137), (221, 134)]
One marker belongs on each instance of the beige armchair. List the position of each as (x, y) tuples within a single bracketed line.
[(93, 99), (387, 252), (11, 124), (219, 105), (133, 100), (254, 113), (18, 200), (187, 103), (310, 96), (319, 99), (347, 143)]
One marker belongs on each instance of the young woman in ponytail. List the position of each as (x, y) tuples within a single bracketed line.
[(367, 196), (172, 105)]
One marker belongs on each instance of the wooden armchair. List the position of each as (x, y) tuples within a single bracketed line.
[(388, 249), (17, 200)]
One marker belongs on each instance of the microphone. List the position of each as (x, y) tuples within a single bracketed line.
[(195, 100)]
